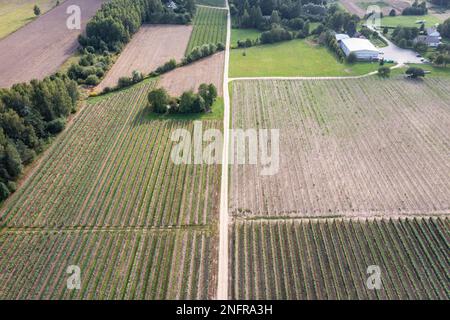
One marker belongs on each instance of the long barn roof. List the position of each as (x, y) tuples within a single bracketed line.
[(357, 44)]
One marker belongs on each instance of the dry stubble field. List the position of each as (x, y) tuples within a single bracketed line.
[(39, 48), (150, 48), (347, 148)]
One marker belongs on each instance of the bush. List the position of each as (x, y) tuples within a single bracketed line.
[(56, 125), (136, 76), (415, 73), (351, 58), (158, 100), (276, 34), (92, 80), (4, 191), (124, 82), (170, 65), (384, 72), (392, 13)]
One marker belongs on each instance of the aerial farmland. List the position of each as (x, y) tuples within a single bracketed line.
[(134, 151)]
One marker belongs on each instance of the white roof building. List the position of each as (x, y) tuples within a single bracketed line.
[(362, 48), (341, 36)]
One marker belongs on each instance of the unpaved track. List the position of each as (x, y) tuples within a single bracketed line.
[(207, 70), (39, 48), (151, 47), (222, 286)]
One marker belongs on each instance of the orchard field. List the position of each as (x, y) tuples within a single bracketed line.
[(328, 258), (108, 198), (210, 26), (348, 147)]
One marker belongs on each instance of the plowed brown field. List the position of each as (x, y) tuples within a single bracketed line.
[(208, 70), (366, 147), (38, 49), (150, 48)]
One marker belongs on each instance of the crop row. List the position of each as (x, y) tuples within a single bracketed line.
[(210, 26), (349, 147), (329, 258), (141, 264), (113, 167)]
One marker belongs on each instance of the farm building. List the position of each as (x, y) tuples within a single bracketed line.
[(341, 36), (362, 48), (431, 39)]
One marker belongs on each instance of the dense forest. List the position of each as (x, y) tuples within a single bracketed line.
[(30, 114)]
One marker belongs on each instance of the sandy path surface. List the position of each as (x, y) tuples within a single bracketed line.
[(151, 47), (208, 70), (39, 48)]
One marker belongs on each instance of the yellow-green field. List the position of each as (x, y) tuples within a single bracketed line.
[(14, 14)]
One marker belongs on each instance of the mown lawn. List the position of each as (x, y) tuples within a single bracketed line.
[(292, 58), (14, 14), (409, 21)]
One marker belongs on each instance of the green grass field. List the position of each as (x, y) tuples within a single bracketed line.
[(292, 58), (14, 14), (409, 21), (243, 34), (210, 26), (213, 3)]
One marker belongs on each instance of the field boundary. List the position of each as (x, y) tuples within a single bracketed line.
[(223, 269)]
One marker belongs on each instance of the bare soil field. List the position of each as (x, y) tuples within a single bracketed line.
[(208, 70), (39, 48), (354, 6), (151, 47), (366, 147)]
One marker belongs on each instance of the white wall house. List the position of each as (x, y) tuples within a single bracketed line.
[(362, 48)]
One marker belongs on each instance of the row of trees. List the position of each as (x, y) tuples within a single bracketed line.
[(263, 14), (416, 9), (189, 102), (404, 36), (30, 114), (442, 55)]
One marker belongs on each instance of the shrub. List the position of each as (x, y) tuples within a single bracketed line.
[(92, 80), (56, 126), (124, 82), (392, 13), (158, 100), (351, 58), (136, 76), (384, 72), (4, 191), (12, 186), (415, 73)]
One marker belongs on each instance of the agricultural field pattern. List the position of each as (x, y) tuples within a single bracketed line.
[(362, 174)]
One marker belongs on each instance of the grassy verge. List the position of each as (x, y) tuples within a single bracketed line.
[(243, 34), (292, 58)]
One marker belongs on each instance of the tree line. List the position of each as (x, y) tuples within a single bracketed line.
[(30, 115)]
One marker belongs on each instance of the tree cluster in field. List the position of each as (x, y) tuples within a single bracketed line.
[(91, 67), (442, 55), (416, 9), (203, 51), (340, 21), (263, 14), (404, 36), (30, 114), (444, 29), (189, 102)]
